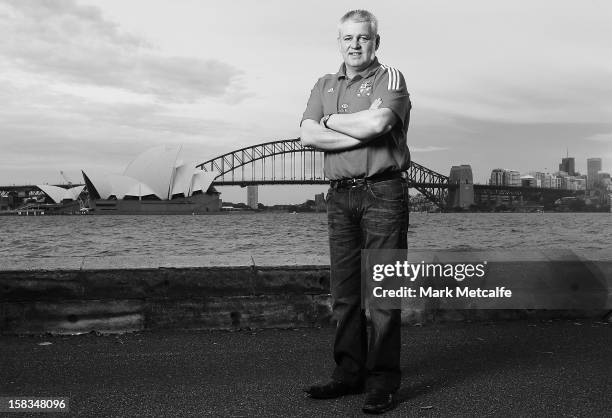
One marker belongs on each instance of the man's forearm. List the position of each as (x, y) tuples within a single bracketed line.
[(365, 125), (319, 137)]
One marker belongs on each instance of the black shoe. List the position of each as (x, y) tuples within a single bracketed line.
[(333, 389), (377, 402)]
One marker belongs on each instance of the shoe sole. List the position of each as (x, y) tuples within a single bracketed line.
[(378, 411), (388, 408)]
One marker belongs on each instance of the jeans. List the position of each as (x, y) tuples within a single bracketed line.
[(370, 216)]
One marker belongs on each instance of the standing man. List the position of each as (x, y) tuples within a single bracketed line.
[(359, 117)]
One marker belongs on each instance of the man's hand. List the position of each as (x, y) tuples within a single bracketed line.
[(314, 134), (364, 125), (375, 105)]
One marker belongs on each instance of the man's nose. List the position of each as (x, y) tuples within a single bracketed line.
[(355, 43)]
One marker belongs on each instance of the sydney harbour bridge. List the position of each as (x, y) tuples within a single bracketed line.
[(290, 162)]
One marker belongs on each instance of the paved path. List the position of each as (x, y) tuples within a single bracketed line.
[(560, 368)]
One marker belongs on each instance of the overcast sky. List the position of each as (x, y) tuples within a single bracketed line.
[(90, 84)]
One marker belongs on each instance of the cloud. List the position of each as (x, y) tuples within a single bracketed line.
[(41, 129), (102, 125), (64, 41), (530, 98), (603, 137)]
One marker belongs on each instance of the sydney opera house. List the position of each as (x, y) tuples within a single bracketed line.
[(155, 182)]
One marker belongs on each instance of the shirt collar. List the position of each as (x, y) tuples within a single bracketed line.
[(363, 74)]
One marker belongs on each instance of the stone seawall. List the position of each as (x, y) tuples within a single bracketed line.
[(108, 300), (118, 294)]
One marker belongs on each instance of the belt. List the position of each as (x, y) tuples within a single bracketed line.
[(360, 181)]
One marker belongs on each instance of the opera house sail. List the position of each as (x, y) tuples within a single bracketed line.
[(155, 182), (64, 201)]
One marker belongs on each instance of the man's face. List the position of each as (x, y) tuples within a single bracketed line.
[(358, 45)]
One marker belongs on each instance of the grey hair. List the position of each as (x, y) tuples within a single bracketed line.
[(360, 15)]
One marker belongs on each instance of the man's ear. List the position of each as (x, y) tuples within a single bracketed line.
[(377, 42)]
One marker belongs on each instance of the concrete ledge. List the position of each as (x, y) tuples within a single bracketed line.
[(65, 297), (170, 283), (67, 301)]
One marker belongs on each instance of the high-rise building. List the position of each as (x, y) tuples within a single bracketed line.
[(593, 167), (540, 178), (512, 178), (503, 177), (556, 182), (252, 197), (568, 165), (564, 180), (497, 177)]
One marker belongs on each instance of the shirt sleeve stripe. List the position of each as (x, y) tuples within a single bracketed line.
[(394, 77), (388, 76), (399, 79)]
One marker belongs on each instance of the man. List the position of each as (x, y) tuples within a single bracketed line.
[(359, 117)]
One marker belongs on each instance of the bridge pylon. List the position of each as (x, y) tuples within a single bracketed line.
[(461, 196)]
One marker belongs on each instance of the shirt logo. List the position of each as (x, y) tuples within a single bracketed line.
[(365, 89), (330, 90)]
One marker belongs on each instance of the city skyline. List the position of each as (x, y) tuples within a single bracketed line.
[(90, 85)]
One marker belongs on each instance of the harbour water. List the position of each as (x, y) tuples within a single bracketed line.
[(268, 237)]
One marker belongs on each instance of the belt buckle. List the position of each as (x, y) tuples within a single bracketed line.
[(356, 182), (347, 183)]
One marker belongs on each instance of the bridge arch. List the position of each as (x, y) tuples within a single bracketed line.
[(290, 162), (264, 167)]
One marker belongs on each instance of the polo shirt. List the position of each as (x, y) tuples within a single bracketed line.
[(336, 93)]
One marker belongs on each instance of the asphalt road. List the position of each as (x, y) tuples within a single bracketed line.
[(549, 368)]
